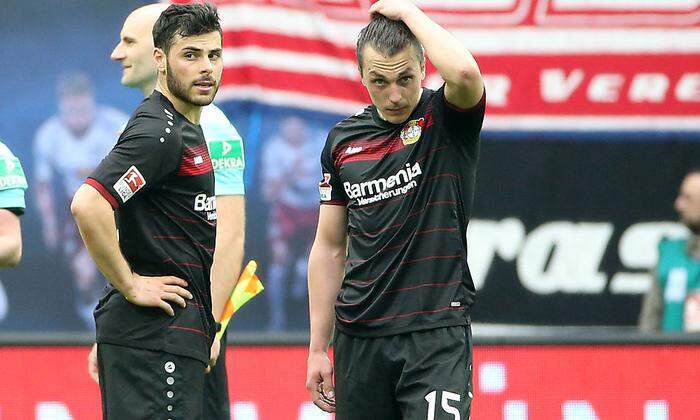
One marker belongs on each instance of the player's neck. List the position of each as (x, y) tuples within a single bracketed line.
[(148, 88), (188, 110)]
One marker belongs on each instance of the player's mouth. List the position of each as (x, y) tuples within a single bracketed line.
[(395, 111), (205, 86)]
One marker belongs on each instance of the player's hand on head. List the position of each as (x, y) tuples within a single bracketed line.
[(319, 381), (160, 292), (393, 9), (92, 364)]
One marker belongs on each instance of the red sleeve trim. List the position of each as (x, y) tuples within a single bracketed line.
[(103, 191), (335, 203), (478, 105)]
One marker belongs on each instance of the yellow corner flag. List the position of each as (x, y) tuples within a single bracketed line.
[(247, 287)]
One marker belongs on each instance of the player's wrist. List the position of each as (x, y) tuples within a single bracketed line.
[(128, 287), (318, 349), (409, 13)]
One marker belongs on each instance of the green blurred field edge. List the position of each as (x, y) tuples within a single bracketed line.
[(484, 335)]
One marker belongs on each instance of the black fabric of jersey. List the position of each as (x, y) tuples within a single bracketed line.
[(159, 179), (408, 189)]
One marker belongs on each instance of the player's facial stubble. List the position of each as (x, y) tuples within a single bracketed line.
[(183, 90)]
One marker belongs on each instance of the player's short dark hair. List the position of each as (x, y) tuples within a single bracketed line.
[(184, 20), (388, 37)]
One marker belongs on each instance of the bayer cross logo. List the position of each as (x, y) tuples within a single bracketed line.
[(412, 131)]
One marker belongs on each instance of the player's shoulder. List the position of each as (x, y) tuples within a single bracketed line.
[(5, 151), (11, 173), (360, 117), (350, 124), (216, 124), (213, 112), (153, 120)]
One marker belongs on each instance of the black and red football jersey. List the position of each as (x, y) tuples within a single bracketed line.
[(159, 179), (408, 189)]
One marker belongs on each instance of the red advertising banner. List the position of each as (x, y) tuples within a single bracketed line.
[(511, 383), (548, 64)]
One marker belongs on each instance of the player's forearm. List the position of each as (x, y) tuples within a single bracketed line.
[(95, 219), (326, 266), (452, 60), (225, 270), (228, 254)]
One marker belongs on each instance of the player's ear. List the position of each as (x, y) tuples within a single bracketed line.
[(160, 59)]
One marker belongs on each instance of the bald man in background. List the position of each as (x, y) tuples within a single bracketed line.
[(135, 53)]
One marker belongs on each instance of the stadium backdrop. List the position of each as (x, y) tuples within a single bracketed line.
[(593, 118)]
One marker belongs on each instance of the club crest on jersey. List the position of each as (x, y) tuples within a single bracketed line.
[(325, 188), (412, 131), (129, 183)]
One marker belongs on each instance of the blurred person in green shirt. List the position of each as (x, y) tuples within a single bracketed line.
[(673, 301)]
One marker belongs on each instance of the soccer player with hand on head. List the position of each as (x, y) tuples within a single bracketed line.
[(389, 266)]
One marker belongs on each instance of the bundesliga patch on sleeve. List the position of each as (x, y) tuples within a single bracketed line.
[(129, 183), (325, 188), (226, 154), (11, 173)]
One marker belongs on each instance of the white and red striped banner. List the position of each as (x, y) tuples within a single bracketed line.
[(548, 64)]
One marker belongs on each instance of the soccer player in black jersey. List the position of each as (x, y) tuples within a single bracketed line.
[(155, 324), (390, 254), (135, 53)]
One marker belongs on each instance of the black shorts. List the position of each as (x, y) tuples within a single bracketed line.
[(216, 402), (414, 376), (149, 385)]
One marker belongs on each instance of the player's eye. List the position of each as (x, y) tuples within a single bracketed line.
[(406, 79), (190, 56), (379, 82)]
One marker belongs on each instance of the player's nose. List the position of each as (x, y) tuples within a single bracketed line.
[(207, 66), (117, 53), (395, 95)]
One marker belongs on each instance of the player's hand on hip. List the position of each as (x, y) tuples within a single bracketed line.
[(319, 381), (213, 355), (158, 292), (92, 364), (393, 9)]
